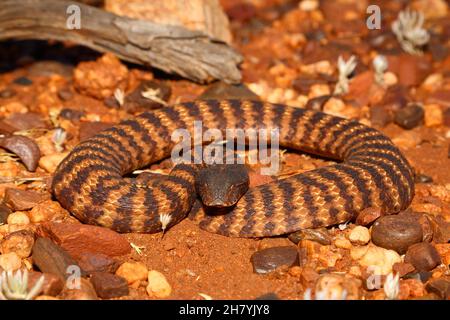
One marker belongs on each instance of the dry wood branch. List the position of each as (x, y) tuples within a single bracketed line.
[(173, 49)]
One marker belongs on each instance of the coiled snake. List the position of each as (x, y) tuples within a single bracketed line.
[(373, 173)]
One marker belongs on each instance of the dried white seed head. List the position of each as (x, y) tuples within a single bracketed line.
[(14, 286), (392, 286), (345, 69), (153, 94), (120, 96), (408, 28), (165, 220), (380, 65), (58, 138)]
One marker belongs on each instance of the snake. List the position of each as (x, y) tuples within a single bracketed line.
[(370, 171)]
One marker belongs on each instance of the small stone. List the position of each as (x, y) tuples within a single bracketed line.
[(26, 121), (308, 5), (375, 257), (133, 271), (267, 260), (423, 256), (71, 114), (20, 200), (108, 285), (23, 81), (396, 233), (440, 287), (51, 258), (52, 285), (85, 291), (295, 271), (339, 287), (342, 242), (335, 107), (25, 148), (7, 93), (77, 239), (308, 277), (98, 262), (410, 116), (422, 178), (21, 242), (380, 116), (10, 261), (221, 90), (407, 139), (410, 289), (433, 115), (411, 70), (89, 129), (359, 235), (368, 215), (19, 218), (268, 296), (319, 235), (440, 97), (51, 161), (47, 210), (141, 98), (158, 286), (65, 94), (5, 211), (402, 268)]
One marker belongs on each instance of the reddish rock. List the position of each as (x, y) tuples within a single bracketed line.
[(267, 260), (108, 285), (21, 242), (89, 129), (51, 258), (78, 239), (52, 285), (97, 262), (84, 292), (21, 200), (402, 268), (410, 69), (368, 215), (423, 256), (26, 121), (410, 116), (441, 97), (308, 277), (440, 287)]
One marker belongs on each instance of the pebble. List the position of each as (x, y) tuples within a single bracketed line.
[(108, 285), (267, 260), (97, 262), (339, 287), (7, 93), (71, 114), (411, 70), (10, 261), (47, 210), (396, 233), (222, 90), (85, 292), (77, 239), (403, 269), (319, 235), (380, 116), (308, 277), (20, 200), (410, 116), (51, 161), (423, 256), (25, 148), (368, 215), (51, 258), (52, 285), (410, 289), (433, 115), (136, 102), (65, 94), (359, 235), (440, 97), (342, 242), (268, 296), (407, 139), (5, 211), (375, 257), (23, 81), (21, 242), (18, 218), (133, 271), (334, 106), (158, 286), (440, 287), (91, 128)]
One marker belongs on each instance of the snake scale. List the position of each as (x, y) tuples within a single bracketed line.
[(372, 173)]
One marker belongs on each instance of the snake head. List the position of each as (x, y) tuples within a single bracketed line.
[(222, 185)]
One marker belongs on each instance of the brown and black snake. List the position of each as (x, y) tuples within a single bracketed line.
[(89, 182)]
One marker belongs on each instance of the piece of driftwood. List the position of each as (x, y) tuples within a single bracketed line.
[(174, 49)]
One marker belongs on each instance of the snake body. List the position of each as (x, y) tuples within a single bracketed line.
[(373, 173)]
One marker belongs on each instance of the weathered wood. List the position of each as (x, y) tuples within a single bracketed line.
[(173, 49)]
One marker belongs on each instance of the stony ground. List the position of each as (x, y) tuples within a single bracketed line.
[(54, 95)]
